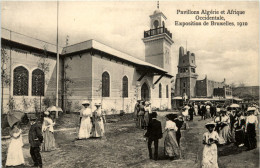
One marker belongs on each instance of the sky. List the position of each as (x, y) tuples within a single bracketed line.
[(229, 52)]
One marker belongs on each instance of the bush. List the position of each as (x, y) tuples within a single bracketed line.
[(4, 122), (25, 119), (46, 101), (122, 113)]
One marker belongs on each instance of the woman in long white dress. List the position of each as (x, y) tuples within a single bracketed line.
[(210, 151), (185, 114), (147, 113), (15, 152), (48, 133), (225, 131), (98, 120), (196, 110), (85, 121)]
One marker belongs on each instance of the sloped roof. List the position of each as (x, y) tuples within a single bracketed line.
[(29, 41), (92, 44), (89, 44)]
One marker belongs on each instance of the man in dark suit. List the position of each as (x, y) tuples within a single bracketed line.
[(179, 122), (153, 134), (203, 111), (35, 140), (191, 111)]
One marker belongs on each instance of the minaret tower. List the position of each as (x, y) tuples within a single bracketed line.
[(158, 41), (186, 77)]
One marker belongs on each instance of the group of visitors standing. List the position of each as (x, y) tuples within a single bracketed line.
[(142, 113), (147, 120), (172, 138), (229, 126), (234, 126), (40, 139), (91, 123)]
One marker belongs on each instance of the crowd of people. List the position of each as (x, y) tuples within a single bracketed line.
[(42, 138), (228, 125), (146, 120)]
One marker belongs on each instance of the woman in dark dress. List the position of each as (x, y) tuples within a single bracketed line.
[(239, 129), (251, 125), (191, 111)]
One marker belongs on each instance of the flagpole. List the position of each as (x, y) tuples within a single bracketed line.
[(57, 64)]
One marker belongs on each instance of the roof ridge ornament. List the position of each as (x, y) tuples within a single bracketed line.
[(158, 4)]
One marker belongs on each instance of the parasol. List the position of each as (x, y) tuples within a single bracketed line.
[(234, 105), (54, 108), (14, 116)]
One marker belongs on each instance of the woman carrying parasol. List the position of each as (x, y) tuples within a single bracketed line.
[(15, 152)]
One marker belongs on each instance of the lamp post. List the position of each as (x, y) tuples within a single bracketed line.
[(57, 64)]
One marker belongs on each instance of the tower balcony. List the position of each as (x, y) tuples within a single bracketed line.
[(157, 31)]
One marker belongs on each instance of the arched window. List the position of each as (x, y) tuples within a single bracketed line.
[(37, 83), (105, 84), (145, 92), (160, 90), (156, 24), (125, 87), (167, 91), (20, 86)]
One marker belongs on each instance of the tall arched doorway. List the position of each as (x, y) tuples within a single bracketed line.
[(145, 93)]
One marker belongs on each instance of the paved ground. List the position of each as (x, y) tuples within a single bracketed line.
[(124, 146)]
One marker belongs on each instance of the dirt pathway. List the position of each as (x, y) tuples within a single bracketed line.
[(124, 147)]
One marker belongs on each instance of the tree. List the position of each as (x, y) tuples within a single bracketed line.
[(5, 77), (44, 65), (66, 81)]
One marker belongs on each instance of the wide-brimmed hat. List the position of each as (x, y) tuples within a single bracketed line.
[(251, 109), (210, 124), (46, 112), (97, 104), (85, 102), (147, 103)]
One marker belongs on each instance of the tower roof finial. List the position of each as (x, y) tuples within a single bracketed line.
[(158, 4)]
